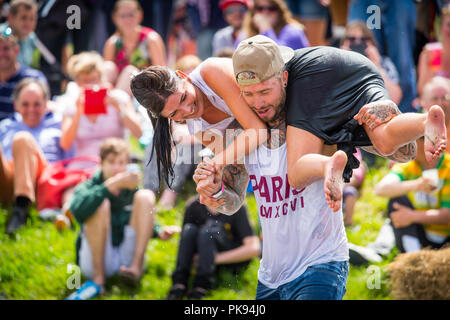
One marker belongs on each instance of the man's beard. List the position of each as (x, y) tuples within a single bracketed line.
[(280, 110)]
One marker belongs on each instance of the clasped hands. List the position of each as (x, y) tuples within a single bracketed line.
[(208, 177)]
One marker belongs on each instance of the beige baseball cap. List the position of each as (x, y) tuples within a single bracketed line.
[(259, 58)]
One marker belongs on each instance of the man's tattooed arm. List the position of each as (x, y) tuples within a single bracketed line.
[(235, 180), (405, 153)]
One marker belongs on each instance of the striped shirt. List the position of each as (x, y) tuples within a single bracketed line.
[(7, 87), (440, 198)]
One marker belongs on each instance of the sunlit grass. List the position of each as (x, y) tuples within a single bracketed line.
[(34, 264)]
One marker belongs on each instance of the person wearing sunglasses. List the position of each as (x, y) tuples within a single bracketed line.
[(273, 19), (233, 12), (360, 39)]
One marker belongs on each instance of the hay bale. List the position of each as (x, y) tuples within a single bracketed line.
[(422, 275)]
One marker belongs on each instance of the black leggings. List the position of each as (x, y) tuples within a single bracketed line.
[(414, 230), (206, 241)]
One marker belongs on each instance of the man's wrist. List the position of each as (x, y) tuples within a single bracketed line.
[(218, 193)]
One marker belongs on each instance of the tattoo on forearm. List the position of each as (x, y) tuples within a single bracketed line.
[(235, 179), (405, 153)]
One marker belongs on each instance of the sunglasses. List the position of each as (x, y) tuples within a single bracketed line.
[(231, 10), (356, 39), (266, 8)]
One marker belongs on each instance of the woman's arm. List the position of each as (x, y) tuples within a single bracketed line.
[(109, 49), (394, 90), (69, 128), (69, 125), (157, 49), (291, 36), (391, 186), (255, 130), (130, 119), (424, 72)]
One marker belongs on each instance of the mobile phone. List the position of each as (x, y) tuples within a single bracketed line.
[(359, 47), (94, 100)]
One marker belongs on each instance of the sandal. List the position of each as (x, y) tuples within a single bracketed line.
[(87, 291)]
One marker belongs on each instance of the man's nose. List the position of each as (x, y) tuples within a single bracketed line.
[(259, 103)]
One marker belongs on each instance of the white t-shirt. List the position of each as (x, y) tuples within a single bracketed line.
[(298, 227)]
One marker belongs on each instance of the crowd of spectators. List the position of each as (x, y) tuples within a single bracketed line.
[(65, 94)]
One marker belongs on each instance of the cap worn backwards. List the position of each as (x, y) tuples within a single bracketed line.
[(259, 58)]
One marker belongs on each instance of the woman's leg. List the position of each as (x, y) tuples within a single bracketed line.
[(306, 165), (398, 129)]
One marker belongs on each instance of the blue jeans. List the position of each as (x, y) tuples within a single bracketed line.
[(395, 39), (325, 281)]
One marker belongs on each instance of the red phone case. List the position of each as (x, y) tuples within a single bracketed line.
[(94, 101)]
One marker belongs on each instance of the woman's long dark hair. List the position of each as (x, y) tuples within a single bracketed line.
[(151, 88)]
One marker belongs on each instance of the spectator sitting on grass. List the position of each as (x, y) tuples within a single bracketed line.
[(29, 141), (11, 72), (86, 130), (233, 13), (210, 238), (419, 205), (117, 221), (436, 91), (359, 38), (132, 46)]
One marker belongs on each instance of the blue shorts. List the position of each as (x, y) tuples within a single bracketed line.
[(325, 281), (308, 9)]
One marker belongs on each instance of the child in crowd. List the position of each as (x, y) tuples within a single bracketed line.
[(117, 221)]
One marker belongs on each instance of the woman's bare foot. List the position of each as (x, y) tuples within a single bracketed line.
[(333, 180), (435, 134)]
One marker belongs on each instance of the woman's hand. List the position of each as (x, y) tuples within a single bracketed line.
[(208, 177), (80, 103), (373, 54), (262, 22), (111, 100)]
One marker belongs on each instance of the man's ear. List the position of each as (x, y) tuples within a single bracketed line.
[(182, 75), (285, 76)]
